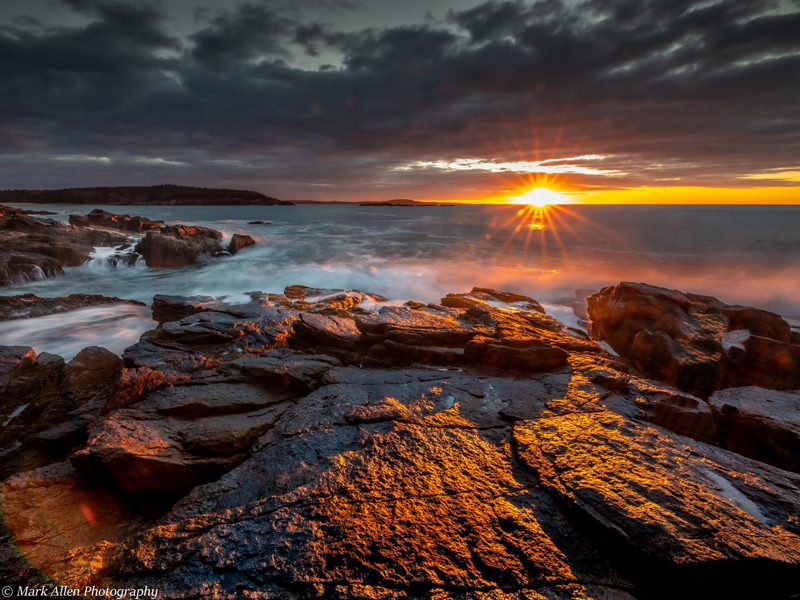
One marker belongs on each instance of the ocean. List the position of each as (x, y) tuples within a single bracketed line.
[(740, 254)]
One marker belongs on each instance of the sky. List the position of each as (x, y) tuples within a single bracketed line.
[(455, 100)]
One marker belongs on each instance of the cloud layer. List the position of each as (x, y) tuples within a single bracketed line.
[(642, 92)]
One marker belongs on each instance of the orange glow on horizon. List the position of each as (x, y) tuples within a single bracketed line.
[(650, 195)]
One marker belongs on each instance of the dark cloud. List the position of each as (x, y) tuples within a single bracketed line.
[(670, 91), (251, 31)]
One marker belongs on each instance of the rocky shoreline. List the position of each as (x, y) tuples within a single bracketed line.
[(323, 444), (33, 248)]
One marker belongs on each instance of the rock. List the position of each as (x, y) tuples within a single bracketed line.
[(422, 327), (32, 249), (690, 341), (252, 331), (259, 223), (178, 438), (52, 509), (485, 295), (529, 356), (29, 306), (315, 299), (239, 241), (392, 353), (178, 245), (53, 404), (285, 367), (685, 511), (654, 402), (762, 424), (764, 362), (103, 218), (578, 302), (14, 361), (330, 331), (384, 484), (175, 308)]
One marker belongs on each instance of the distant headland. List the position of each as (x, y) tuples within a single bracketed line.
[(166, 194)]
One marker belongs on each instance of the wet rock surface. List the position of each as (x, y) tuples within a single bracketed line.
[(696, 343), (179, 245), (680, 508), (238, 242), (762, 424), (323, 443), (30, 306)]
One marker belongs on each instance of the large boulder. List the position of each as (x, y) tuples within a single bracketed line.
[(179, 245), (696, 343)]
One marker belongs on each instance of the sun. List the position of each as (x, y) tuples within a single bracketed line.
[(539, 197)]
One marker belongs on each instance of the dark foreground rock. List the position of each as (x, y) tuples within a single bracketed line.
[(693, 342), (29, 306), (321, 444)]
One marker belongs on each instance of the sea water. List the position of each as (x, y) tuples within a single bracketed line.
[(741, 254)]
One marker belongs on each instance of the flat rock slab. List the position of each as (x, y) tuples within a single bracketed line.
[(212, 399), (332, 331), (762, 424), (253, 331), (689, 509), (417, 327), (285, 367)]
